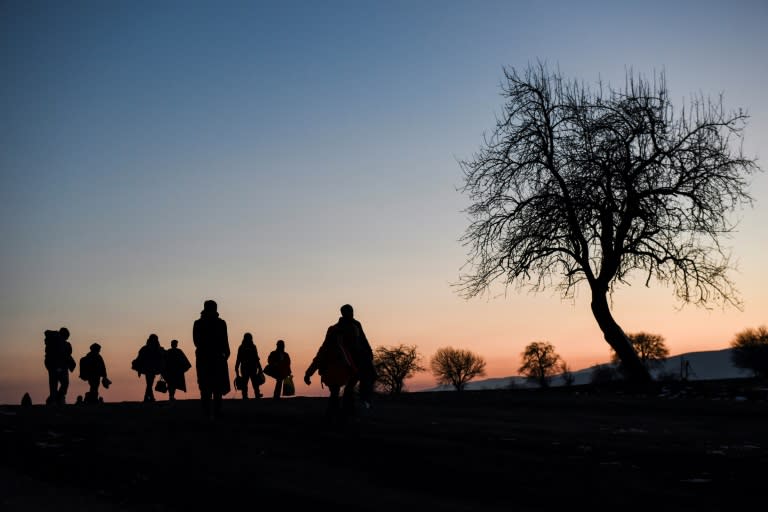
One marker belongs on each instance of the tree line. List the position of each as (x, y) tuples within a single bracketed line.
[(541, 362)]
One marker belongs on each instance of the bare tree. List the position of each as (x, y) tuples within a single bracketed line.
[(600, 184), (750, 351), (650, 348), (565, 372), (540, 362), (456, 367), (394, 365)]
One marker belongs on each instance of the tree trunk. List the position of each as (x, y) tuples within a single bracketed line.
[(635, 372)]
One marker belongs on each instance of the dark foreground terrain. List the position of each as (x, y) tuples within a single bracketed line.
[(473, 451)]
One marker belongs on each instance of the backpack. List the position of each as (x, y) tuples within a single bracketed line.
[(52, 348), (58, 352)]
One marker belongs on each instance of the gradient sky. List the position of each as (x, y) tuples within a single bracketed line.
[(285, 158)]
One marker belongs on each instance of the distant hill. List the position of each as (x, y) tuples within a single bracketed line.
[(704, 365)]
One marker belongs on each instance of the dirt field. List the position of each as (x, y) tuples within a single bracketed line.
[(478, 451)]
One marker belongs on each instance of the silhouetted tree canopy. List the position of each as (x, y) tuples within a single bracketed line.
[(394, 365), (456, 367), (650, 348), (600, 185), (568, 377), (540, 362), (750, 351)]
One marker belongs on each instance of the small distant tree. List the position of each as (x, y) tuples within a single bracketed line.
[(540, 362), (650, 348), (456, 367), (565, 372), (750, 351), (394, 365)]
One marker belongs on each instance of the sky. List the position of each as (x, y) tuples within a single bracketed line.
[(285, 158)]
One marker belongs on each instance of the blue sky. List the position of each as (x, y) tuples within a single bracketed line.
[(287, 157)]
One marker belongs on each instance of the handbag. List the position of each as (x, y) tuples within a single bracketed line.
[(161, 386), (260, 378), (288, 388), (239, 382)]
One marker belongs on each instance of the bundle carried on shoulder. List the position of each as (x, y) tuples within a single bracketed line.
[(270, 370), (336, 366)]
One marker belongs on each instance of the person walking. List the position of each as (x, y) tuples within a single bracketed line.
[(279, 363), (176, 365), (209, 333), (248, 366), (345, 359), (337, 370), (151, 362), (94, 372), (362, 354), (59, 363)]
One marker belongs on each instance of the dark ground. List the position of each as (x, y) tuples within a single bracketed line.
[(519, 449)]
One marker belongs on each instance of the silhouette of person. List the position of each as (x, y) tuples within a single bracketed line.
[(337, 370), (150, 362), (344, 359), (59, 363), (209, 334), (94, 371), (176, 365), (280, 362), (248, 366)]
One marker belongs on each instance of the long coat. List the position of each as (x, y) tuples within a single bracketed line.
[(176, 364), (209, 334), (150, 360), (334, 361), (350, 333)]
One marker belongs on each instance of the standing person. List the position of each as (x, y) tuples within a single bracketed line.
[(176, 365), (150, 362), (209, 334), (59, 363), (94, 372), (248, 366), (345, 344), (279, 363)]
